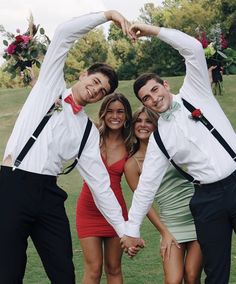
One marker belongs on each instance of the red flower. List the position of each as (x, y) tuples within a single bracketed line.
[(196, 114), (11, 48), (19, 39), (203, 39), (223, 42)]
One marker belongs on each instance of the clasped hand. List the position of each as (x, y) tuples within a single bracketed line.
[(133, 31), (131, 245)]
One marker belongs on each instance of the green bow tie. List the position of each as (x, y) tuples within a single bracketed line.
[(168, 114)]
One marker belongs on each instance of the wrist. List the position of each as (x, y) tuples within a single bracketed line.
[(108, 15), (154, 30)]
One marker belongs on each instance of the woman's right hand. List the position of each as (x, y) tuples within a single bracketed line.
[(167, 241)]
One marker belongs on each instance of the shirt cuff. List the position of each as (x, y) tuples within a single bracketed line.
[(132, 230), (120, 229)]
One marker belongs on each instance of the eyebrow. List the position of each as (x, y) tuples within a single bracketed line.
[(152, 89), (144, 97)]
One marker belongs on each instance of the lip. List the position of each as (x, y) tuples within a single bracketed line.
[(90, 94), (115, 121), (143, 130), (142, 134)]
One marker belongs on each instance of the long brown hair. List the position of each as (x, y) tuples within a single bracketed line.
[(153, 118), (126, 130)]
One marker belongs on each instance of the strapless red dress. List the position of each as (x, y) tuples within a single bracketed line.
[(89, 221)]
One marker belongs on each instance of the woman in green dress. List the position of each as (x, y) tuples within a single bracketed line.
[(179, 248)]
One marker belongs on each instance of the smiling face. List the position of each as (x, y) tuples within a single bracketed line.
[(143, 126), (115, 115), (91, 88), (155, 96)]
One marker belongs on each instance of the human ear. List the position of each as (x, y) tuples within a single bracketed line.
[(166, 85), (83, 75)]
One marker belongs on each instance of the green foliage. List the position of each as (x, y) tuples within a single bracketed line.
[(5, 42), (150, 55), (114, 33), (124, 52), (92, 48), (41, 30), (230, 61)]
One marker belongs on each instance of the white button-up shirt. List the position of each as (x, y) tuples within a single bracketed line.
[(188, 142), (61, 137)]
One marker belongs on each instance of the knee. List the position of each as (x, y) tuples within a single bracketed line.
[(112, 270), (191, 277), (94, 272)]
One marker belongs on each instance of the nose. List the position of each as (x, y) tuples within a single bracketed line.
[(95, 91), (142, 123), (114, 114), (155, 98)]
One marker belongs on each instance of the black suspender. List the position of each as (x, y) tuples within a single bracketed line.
[(33, 137), (213, 131), (68, 169), (39, 129), (163, 149)]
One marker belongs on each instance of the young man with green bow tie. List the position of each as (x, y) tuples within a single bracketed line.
[(204, 145)]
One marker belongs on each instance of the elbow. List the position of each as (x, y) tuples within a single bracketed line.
[(61, 29), (196, 45)]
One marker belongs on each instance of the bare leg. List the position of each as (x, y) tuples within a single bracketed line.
[(193, 263), (112, 260), (93, 259), (174, 266)]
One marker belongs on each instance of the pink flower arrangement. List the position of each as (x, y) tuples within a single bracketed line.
[(24, 50), (214, 43), (11, 48)]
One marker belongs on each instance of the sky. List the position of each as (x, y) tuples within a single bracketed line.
[(14, 13)]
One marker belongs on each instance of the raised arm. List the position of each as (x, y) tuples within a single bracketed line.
[(196, 80), (132, 177), (51, 73)]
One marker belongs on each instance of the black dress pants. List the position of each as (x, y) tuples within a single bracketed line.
[(213, 207), (33, 205)]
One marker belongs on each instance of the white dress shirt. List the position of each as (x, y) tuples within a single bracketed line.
[(188, 142), (61, 137)]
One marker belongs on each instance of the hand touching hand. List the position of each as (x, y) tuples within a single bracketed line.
[(131, 245), (137, 30), (119, 20)]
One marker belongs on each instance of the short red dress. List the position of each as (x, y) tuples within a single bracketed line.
[(89, 221)]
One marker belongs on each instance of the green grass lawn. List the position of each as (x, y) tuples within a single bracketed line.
[(146, 268)]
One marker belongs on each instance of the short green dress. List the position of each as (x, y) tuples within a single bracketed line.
[(173, 199)]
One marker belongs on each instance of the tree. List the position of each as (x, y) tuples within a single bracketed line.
[(92, 48), (124, 52)]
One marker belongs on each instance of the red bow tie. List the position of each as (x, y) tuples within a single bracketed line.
[(76, 108)]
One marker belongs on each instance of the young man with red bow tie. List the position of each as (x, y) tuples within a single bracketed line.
[(31, 202)]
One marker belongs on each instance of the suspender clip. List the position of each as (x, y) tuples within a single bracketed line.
[(16, 164), (197, 182)]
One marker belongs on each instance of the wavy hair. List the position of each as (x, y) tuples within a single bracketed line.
[(153, 118), (126, 130)]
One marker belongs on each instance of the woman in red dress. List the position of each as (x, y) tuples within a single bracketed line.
[(98, 239)]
